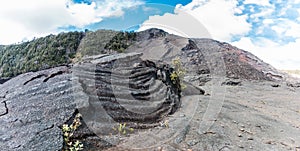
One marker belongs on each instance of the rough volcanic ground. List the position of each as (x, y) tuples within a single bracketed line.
[(233, 101), (254, 116)]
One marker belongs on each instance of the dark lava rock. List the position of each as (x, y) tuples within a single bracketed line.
[(129, 90), (294, 85), (205, 56), (275, 85), (232, 83), (120, 88), (238, 63), (35, 108), (3, 80), (150, 34)]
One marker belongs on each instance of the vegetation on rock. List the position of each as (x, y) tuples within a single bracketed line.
[(39, 54), (68, 132), (122, 129), (178, 74), (55, 50), (121, 41), (93, 43)]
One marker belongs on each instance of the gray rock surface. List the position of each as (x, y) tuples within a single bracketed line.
[(233, 101), (201, 56), (254, 116), (128, 88), (35, 106)]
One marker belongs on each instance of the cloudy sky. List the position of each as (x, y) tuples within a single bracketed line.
[(269, 29)]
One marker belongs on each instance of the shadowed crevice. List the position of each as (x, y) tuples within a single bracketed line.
[(6, 109), (53, 75), (36, 77)]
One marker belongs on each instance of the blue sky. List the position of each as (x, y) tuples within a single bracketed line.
[(276, 17), (132, 18), (167, 2), (268, 28)]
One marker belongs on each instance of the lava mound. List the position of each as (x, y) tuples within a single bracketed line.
[(124, 88)]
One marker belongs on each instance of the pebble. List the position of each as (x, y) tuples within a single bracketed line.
[(206, 94), (235, 122), (192, 142), (5, 138)]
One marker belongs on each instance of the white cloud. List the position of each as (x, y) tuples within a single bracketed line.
[(279, 29), (268, 21), (280, 56), (278, 51), (220, 19), (252, 10), (266, 11), (258, 2), (283, 27), (217, 16), (293, 29), (25, 19), (177, 24), (298, 19)]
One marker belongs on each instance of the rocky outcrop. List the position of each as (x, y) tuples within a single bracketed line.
[(33, 108), (237, 63), (119, 88), (202, 56), (128, 90)]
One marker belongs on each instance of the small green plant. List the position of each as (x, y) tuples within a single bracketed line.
[(122, 129), (68, 132), (178, 73), (165, 124)]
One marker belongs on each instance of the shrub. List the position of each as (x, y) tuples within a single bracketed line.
[(178, 73), (68, 132)]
